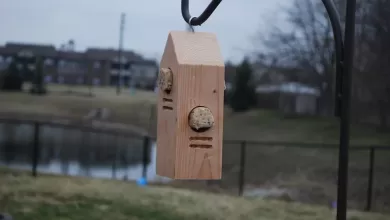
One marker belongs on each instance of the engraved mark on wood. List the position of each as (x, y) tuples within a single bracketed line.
[(205, 170), (201, 138), (201, 146), (167, 107), (167, 100)]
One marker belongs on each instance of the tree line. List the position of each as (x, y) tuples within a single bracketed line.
[(13, 78)]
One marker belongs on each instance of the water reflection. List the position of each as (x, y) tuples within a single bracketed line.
[(77, 153)]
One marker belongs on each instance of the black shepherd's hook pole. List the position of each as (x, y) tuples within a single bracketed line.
[(344, 50), (345, 110)]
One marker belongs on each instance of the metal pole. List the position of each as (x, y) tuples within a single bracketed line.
[(370, 179), (145, 156), (349, 39), (121, 30), (241, 180), (115, 158), (35, 155)]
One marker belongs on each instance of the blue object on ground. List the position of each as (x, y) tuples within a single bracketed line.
[(142, 181), (5, 216), (334, 205)]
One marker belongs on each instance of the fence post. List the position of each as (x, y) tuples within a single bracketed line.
[(116, 147), (241, 180), (35, 153), (370, 179), (145, 156)]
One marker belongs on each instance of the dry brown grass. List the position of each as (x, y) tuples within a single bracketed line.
[(57, 197)]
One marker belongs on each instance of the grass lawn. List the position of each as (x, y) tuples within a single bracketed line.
[(75, 103), (139, 110), (58, 197)]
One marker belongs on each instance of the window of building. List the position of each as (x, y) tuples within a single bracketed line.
[(123, 59), (61, 63), (125, 72), (60, 79), (31, 67), (25, 53), (136, 72), (48, 62), (48, 79), (151, 73), (96, 81), (96, 65)]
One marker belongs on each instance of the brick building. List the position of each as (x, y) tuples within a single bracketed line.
[(93, 66)]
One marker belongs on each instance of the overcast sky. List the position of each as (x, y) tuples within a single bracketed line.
[(95, 23)]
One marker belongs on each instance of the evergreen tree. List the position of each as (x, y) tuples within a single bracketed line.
[(244, 96), (38, 81), (11, 79)]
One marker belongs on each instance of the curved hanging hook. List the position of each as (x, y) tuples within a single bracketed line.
[(197, 21), (334, 18)]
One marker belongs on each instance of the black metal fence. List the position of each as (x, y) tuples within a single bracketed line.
[(305, 172), (54, 148)]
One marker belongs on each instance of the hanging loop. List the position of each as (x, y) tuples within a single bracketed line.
[(197, 21)]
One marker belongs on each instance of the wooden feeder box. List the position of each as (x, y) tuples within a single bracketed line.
[(190, 107)]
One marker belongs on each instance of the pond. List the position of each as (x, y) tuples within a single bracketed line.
[(78, 153)]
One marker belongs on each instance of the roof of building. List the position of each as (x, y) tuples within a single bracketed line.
[(47, 50), (147, 62), (288, 87), (38, 49), (109, 54), (3, 50), (70, 55)]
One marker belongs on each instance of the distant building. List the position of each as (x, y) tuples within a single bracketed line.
[(88, 67), (288, 97), (70, 66)]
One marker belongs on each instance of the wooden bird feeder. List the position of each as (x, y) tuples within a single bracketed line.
[(190, 107)]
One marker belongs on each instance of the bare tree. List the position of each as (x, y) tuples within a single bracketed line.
[(307, 46), (373, 76)]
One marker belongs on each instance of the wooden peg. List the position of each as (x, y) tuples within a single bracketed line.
[(190, 107)]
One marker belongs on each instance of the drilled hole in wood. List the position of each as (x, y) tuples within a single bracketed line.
[(201, 145), (167, 100), (200, 119), (167, 107), (201, 138)]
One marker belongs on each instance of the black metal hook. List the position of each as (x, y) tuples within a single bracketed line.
[(197, 21), (339, 50)]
